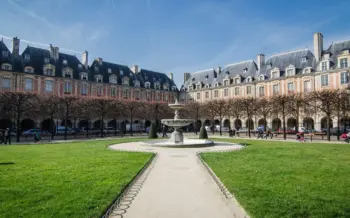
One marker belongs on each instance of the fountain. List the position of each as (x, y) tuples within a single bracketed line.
[(177, 139)]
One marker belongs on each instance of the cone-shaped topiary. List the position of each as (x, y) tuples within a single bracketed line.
[(152, 132), (203, 133)]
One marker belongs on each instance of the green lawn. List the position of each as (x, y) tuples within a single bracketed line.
[(78, 179), (287, 179)]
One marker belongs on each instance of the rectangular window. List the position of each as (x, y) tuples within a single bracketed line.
[(6, 83), (226, 82), (324, 66), (275, 89), (290, 72), (275, 75), (113, 92), (290, 87), (225, 92), (148, 96), (307, 86), (28, 84), (249, 90), (126, 94), (261, 91), (48, 86), (67, 87), (237, 91), (206, 95), (216, 93), (99, 90), (158, 97), (166, 98), (324, 80), (84, 89), (137, 95), (343, 63), (198, 95), (344, 78)]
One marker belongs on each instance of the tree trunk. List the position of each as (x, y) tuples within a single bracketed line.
[(328, 128), (131, 126), (101, 126), (220, 125), (65, 123), (18, 122), (248, 126), (265, 122), (115, 127), (52, 126), (338, 125), (284, 125)]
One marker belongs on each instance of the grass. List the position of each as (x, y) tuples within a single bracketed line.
[(78, 179), (287, 179)]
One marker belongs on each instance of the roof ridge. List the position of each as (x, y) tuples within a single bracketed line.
[(241, 62), (202, 71), (289, 52), (336, 42)]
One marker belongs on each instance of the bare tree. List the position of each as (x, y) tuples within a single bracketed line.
[(235, 108), (130, 110), (101, 107), (193, 110), (264, 108), (67, 103), (220, 107), (50, 107), (115, 112), (323, 101), (210, 111), (280, 103), (249, 107), (19, 105), (341, 104), (87, 112), (296, 103)]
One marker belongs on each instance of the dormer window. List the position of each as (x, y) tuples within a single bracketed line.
[(49, 70), (6, 67), (67, 72), (261, 77), (29, 70), (226, 82), (306, 71), (99, 78), (46, 60), (245, 70), (125, 81), (173, 88), (303, 59), (343, 62), (275, 73), (157, 85), (113, 79), (227, 73), (165, 87), (324, 65), (64, 62), (198, 86), (109, 70), (290, 71), (96, 68), (193, 79), (121, 72), (207, 86), (268, 66), (147, 85), (249, 80), (80, 66), (206, 77), (5, 53), (216, 84), (27, 57), (137, 84), (237, 80), (83, 76)]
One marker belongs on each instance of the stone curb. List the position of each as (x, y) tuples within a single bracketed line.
[(122, 204), (237, 208)]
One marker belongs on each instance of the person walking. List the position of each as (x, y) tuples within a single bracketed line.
[(164, 131), (7, 136)]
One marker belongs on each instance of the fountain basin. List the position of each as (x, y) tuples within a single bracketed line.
[(187, 143), (176, 123)]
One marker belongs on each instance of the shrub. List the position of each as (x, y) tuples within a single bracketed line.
[(152, 132), (203, 133)]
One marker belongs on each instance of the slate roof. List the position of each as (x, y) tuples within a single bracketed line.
[(5, 59), (335, 50), (205, 77), (283, 60)]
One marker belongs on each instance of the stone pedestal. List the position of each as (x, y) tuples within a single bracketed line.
[(177, 137)]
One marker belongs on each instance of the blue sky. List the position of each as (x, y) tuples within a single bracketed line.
[(174, 35)]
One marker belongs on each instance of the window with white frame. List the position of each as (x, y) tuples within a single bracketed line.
[(303, 59), (276, 89), (206, 94), (6, 67), (306, 70), (226, 82), (236, 80), (324, 80), (157, 85), (166, 87), (249, 90), (173, 88), (99, 91), (344, 78), (216, 84), (49, 71), (68, 73), (27, 57), (207, 86), (290, 72), (83, 76), (157, 96), (113, 92), (198, 86), (67, 87), (290, 87), (99, 78), (84, 89), (249, 80), (261, 77), (324, 66), (6, 83), (190, 87), (245, 70), (46, 60), (5, 53), (29, 70), (236, 91), (109, 70), (261, 91), (137, 84), (343, 62), (148, 95), (225, 92), (268, 66), (126, 93), (121, 72), (137, 94), (96, 68), (64, 62), (275, 75), (113, 79), (28, 84), (307, 86), (147, 85), (216, 93), (166, 98), (48, 85), (198, 95)]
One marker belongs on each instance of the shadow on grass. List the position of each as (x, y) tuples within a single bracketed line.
[(6, 163)]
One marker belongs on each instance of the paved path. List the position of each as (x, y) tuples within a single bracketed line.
[(178, 185)]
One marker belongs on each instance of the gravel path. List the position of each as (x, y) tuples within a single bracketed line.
[(177, 185)]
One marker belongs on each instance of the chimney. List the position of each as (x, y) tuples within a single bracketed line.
[(135, 68), (15, 46), (171, 76), (54, 51), (218, 70), (260, 60), (99, 60), (318, 46), (85, 59), (186, 76)]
